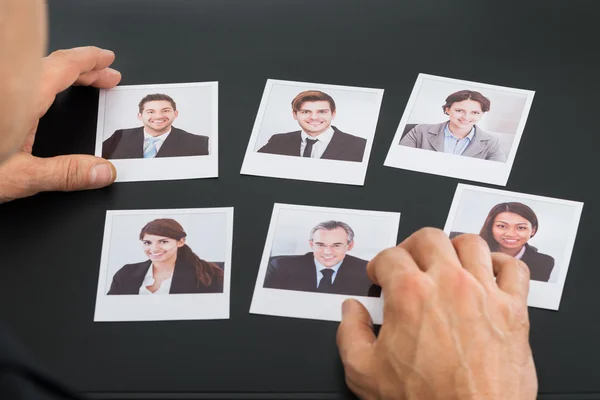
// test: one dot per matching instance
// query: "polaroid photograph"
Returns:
(313, 132)
(160, 132)
(159, 265)
(540, 231)
(460, 129)
(316, 257)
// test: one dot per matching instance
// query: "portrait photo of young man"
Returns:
(157, 137)
(315, 112)
(313, 132)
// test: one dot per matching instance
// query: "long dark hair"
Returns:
(206, 271)
(513, 207)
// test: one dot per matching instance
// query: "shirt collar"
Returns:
(521, 252)
(149, 278)
(320, 266)
(447, 133)
(162, 137)
(324, 137)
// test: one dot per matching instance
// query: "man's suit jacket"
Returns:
(129, 143)
(299, 273)
(431, 137)
(129, 279)
(540, 264)
(342, 147)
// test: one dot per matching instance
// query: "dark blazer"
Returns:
(129, 143)
(128, 280)
(342, 147)
(299, 273)
(540, 264)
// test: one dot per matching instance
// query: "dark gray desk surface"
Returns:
(51, 242)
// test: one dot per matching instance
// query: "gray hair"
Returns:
(331, 225)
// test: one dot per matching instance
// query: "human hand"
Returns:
(24, 175)
(450, 331)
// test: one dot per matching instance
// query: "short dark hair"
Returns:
(513, 207)
(156, 97)
(463, 95)
(312, 95)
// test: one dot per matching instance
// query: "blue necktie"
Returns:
(150, 147)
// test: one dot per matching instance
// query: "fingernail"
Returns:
(113, 71)
(109, 52)
(346, 307)
(101, 175)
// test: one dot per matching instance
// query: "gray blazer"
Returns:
(431, 137)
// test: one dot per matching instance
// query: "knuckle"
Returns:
(67, 177)
(431, 234)
(64, 58)
(408, 287)
(64, 54)
(469, 239)
(391, 255)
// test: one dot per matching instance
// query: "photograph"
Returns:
(161, 265)
(316, 257)
(313, 132)
(159, 132)
(461, 129)
(540, 231)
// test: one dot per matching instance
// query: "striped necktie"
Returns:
(150, 147)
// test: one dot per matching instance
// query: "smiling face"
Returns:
(330, 247)
(158, 116)
(464, 114)
(160, 249)
(511, 231)
(314, 117)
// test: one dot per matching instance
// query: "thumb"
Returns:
(73, 172)
(355, 336)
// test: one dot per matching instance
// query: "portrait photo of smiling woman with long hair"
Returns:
(540, 231)
(171, 265)
(508, 229)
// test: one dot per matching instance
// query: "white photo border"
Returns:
(188, 306)
(310, 305)
(438, 163)
(307, 169)
(167, 168)
(541, 294)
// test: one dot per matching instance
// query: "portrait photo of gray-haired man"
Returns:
(327, 269)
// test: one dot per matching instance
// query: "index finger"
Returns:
(512, 275)
(62, 68)
(388, 263)
(431, 249)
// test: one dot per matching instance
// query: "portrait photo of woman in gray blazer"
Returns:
(459, 135)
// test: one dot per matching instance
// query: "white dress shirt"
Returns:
(320, 266)
(159, 140)
(321, 144)
(520, 253)
(165, 285)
